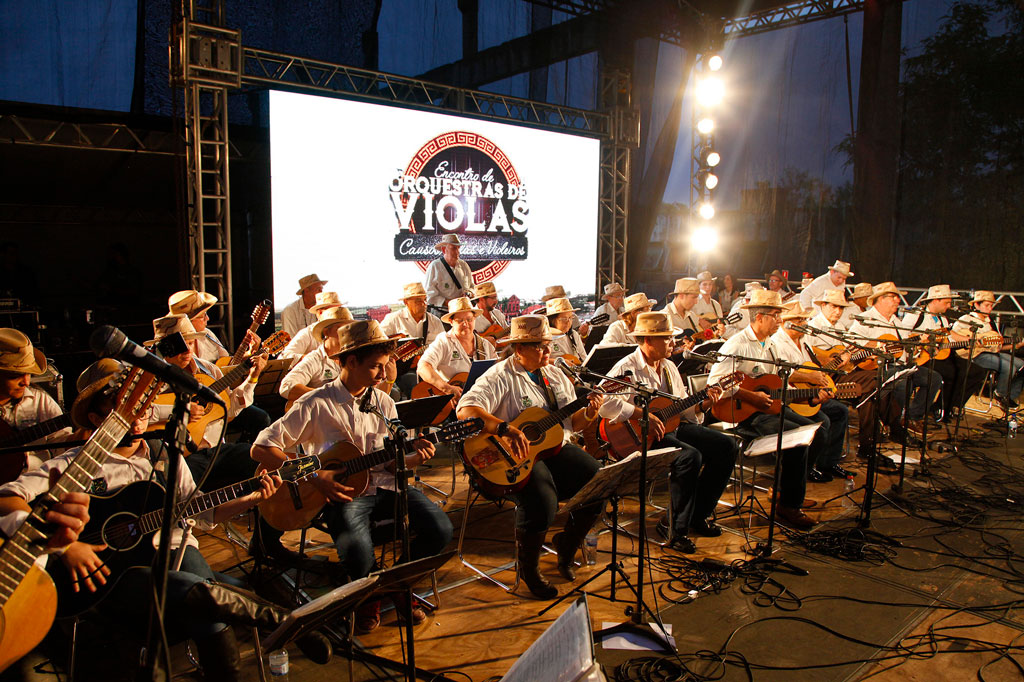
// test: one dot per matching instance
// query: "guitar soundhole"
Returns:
(532, 433)
(122, 534)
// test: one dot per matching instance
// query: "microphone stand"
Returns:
(963, 384)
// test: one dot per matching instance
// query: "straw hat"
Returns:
(982, 295)
(835, 297)
(308, 281)
(190, 302)
(686, 285)
(806, 282)
(938, 291)
(359, 334)
(448, 240)
(17, 354)
(636, 302)
(460, 305)
(705, 276)
(326, 300)
(413, 290)
(95, 381)
(882, 289)
(529, 329)
(842, 267)
(613, 289)
(559, 305)
(337, 315)
(654, 324)
(483, 290)
(776, 273)
(795, 311)
(764, 298)
(556, 291)
(169, 324)
(862, 290)
(751, 286)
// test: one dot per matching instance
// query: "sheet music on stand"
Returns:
(564, 653)
(802, 435)
(622, 477)
(601, 359)
(270, 378)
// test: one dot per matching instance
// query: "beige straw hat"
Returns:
(636, 302)
(360, 334)
(17, 354)
(883, 289)
(835, 297)
(413, 290)
(842, 267)
(764, 298)
(326, 300)
(686, 285)
(938, 291)
(705, 276)
(308, 281)
(94, 382)
(556, 291)
(333, 316)
(862, 290)
(983, 295)
(483, 290)
(169, 324)
(190, 302)
(448, 240)
(529, 329)
(559, 305)
(795, 311)
(656, 323)
(460, 305)
(613, 289)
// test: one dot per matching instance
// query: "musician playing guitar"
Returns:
(613, 301)
(454, 351)
(701, 471)
(707, 305)
(755, 341)
(834, 416)
(415, 322)
(634, 305)
(680, 307)
(341, 411)
(486, 298)
(305, 340)
(317, 368)
(567, 341)
(196, 306)
(1009, 381)
(449, 276)
(498, 397)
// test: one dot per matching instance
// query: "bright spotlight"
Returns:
(715, 62)
(705, 126)
(712, 159)
(711, 181)
(704, 238)
(707, 211)
(710, 91)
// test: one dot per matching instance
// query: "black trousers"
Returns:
(699, 473)
(553, 479)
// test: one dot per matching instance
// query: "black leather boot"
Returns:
(569, 540)
(218, 656)
(529, 565)
(234, 605)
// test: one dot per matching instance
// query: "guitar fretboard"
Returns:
(150, 522)
(40, 430)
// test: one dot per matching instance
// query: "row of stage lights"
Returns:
(709, 93)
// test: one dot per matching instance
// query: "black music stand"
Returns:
(416, 414)
(601, 359)
(612, 483)
(478, 368)
(266, 393)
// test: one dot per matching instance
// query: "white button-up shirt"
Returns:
(974, 316)
(314, 370)
(873, 332)
(744, 343)
(685, 321)
(34, 407)
(821, 322)
(329, 415)
(210, 347)
(665, 378)
(607, 309)
(401, 322)
(295, 316)
(439, 285)
(568, 344)
(787, 349)
(616, 335)
(816, 288)
(734, 328)
(930, 321)
(707, 306)
(447, 356)
(482, 324)
(301, 343)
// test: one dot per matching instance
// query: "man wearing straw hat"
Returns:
(21, 404)
(707, 305)
(859, 298)
(777, 281)
(701, 471)
(680, 307)
(1009, 381)
(415, 322)
(448, 276)
(566, 341)
(454, 351)
(485, 296)
(634, 305)
(305, 341)
(296, 314)
(558, 291)
(833, 416)
(613, 300)
(743, 322)
(196, 306)
(317, 368)
(498, 397)
(754, 341)
(835, 278)
(343, 411)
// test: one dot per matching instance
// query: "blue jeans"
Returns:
(918, 380)
(350, 524)
(1008, 368)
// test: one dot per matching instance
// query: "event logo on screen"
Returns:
(461, 183)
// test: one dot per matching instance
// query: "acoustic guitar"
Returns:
(295, 505)
(830, 358)
(259, 315)
(986, 342)
(732, 409)
(844, 391)
(12, 464)
(126, 518)
(425, 390)
(28, 600)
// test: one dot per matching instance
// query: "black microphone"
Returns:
(912, 309)
(861, 318)
(710, 357)
(110, 342)
(364, 402)
(561, 364)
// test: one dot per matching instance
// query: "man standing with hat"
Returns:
(612, 306)
(765, 308)
(449, 276)
(498, 397)
(486, 298)
(1009, 381)
(701, 471)
(297, 314)
(453, 352)
(706, 305)
(835, 278)
(415, 322)
(305, 341)
(343, 411)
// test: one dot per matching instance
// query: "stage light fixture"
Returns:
(712, 159)
(704, 238)
(705, 126)
(711, 181)
(706, 211)
(714, 62)
(710, 91)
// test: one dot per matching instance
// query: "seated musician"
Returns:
(860, 295)
(486, 298)
(305, 341)
(680, 307)
(777, 282)
(558, 291)
(415, 322)
(613, 300)
(196, 608)
(833, 416)
(1009, 380)
(449, 276)
(835, 278)
(743, 322)
(296, 315)
(701, 471)
(498, 397)
(707, 306)
(196, 306)
(953, 368)
(881, 320)
(333, 414)
(755, 341)
(452, 353)
(22, 405)
(317, 368)
(634, 305)
(566, 341)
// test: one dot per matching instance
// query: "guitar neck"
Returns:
(560, 415)
(383, 456)
(232, 378)
(151, 521)
(40, 430)
(680, 406)
(240, 353)
(795, 394)
(18, 554)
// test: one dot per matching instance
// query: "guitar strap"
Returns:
(549, 392)
(451, 273)
(426, 326)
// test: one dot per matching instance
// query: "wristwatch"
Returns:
(503, 428)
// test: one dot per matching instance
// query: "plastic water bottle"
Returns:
(590, 548)
(279, 665)
(1011, 427)
(848, 491)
